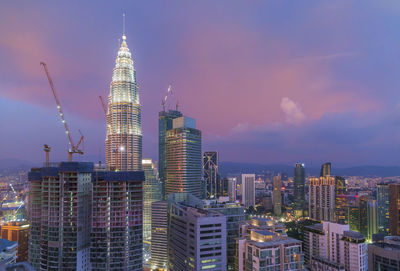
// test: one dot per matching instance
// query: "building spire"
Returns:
(123, 27)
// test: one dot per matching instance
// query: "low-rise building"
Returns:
(329, 243)
(264, 245)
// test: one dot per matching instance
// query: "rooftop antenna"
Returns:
(123, 26)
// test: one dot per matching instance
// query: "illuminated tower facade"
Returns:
(124, 131)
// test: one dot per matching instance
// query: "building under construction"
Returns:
(85, 218)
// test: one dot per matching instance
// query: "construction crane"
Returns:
(103, 105)
(47, 149)
(163, 102)
(74, 148)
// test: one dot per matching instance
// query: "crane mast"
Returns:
(74, 148)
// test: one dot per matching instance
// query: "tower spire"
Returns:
(123, 26)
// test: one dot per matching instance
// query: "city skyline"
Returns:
(351, 118)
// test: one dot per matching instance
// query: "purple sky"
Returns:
(267, 81)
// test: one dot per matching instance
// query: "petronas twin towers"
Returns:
(124, 129)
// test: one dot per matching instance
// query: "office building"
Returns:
(248, 190)
(211, 175)
(382, 202)
(394, 208)
(196, 236)
(124, 130)
(232, 184)
(325, 170)
(165, 123)
(235, 214)
(332, 246)
(384, 255)
(299, 192)
(17, 232)
(159, 235)
(151, 193)
(184, 158)
(277, 195)
(259, 247)
(322, 198)
(85, 219)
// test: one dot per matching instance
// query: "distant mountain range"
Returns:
(232, 168)
(227, 168)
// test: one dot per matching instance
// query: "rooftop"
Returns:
(7, 245)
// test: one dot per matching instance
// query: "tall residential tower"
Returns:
(124, 131)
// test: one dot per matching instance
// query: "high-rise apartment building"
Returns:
(196, 237)
(382, 202)
(85, 219)
(326, 169)
(60, 210)
(17, 232)
(248, 190)
(299, 192)
(124, 130)
(117, 220)
(384, 255)
(322, 198)
(394, 208)
(332, 246)
(277, 195)
(184, 159)
(159, 235)
(165, 123)
(151, 193)
(211, 176)
(261, 247)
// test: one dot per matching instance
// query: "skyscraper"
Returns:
(184, 159)
(84, 218)
(151, 193)
(124, 130)
(325, 169)
(60, 206)
(277, 195)
(232, 182)
(299, 181)
(210, 173)
(117, 220)
(248, 190)
(165, 123)
(394, 208)
(159, 235)
(322, 198)
(382, 202)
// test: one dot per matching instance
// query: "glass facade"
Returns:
(165, 119)
(382, 202)
(183, 161)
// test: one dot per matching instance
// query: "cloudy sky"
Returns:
(267, 81)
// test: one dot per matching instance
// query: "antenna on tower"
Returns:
(123, 26)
